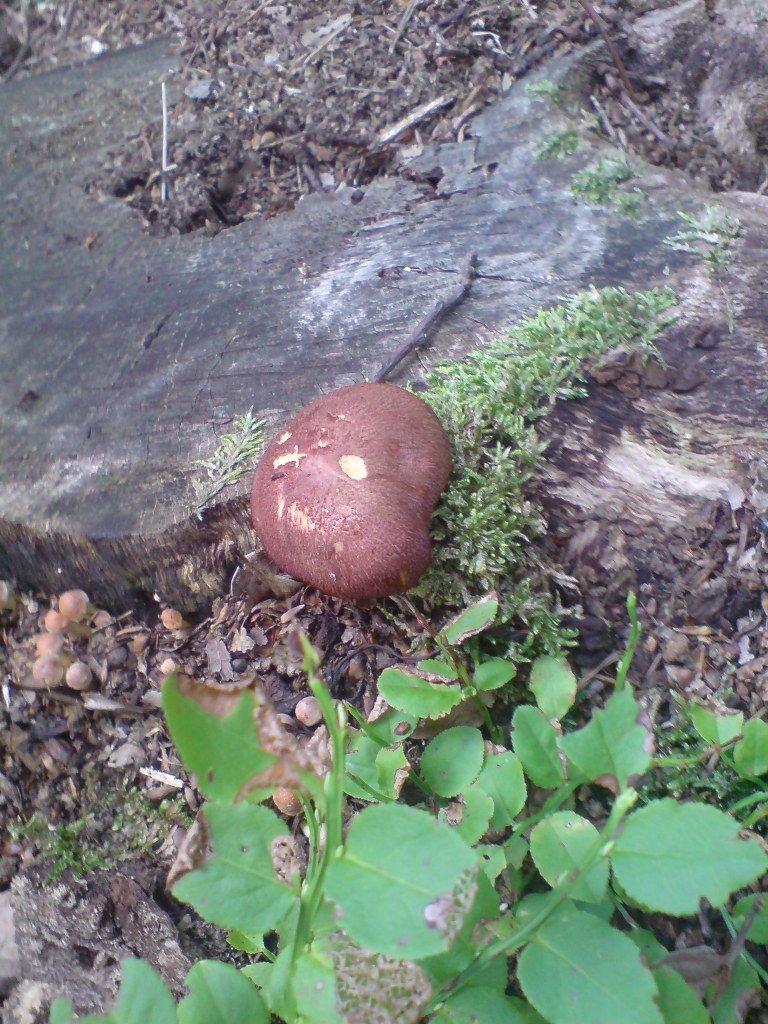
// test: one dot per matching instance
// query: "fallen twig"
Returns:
(440, 307)
(415, 116)
(644, 120)
(403, 24)
(164, 157)
(602, 28)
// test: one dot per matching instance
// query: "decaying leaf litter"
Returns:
(334, 99)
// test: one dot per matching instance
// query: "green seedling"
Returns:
(234, 457)
(396, 914)
(598, 185)
(559, 146)
(546, 88)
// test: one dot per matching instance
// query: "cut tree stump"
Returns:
(124, 357)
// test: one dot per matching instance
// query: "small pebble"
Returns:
(117, 656)
(676, 648)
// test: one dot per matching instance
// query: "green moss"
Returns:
(125, 824)
(597, 185)
(559, 146)
(489, 403)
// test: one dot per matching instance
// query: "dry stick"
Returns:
(644, 120)
(441, 306)
(602, 28)
(164, 158)
(403, 24)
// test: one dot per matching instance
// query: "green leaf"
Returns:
(758, 930)
(142, 996)
(404, 882)
(478, 1005)
(220, 994)
(534, 739)
(559, 844)
(729, 1006)
(452, 760)
(473, 620)
(373, 765)
(717, 729)
(612, 744)
(314, 986)
(554, 685)
(502, 779)
(491, 674)
(237, 887)
(61, 1012)
(493, 859)
(750, 755)
(670, 855)
(677, 1000)
(477, 808)
(224, 753)
(416, 696)
(577, 969)
(392, 727)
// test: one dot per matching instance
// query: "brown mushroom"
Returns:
(342, 497)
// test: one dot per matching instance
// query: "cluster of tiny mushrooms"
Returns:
(342, 497)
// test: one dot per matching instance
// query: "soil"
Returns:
(282, 99)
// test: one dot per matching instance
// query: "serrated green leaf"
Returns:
(758, 930)
(750, 755)
(416, 696)
(224, 753)
(502, 779)
(477, 808)
(559, 844)
(612, 744)
(554, 685)
(471, 621)
(491, 674)
(577, 968)
(404, 883)
(452, 760)
(492, 859)
(220, 994)
(481, 923)
(370, 765)
(671, 855)
(478, 1005)
(718, 729)
(677, 1000)
(237, 887)
(142, 996)
(534, 739)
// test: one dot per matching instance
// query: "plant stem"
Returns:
(506, 946)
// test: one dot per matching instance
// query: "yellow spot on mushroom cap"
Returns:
(299, 517)
(294, 456)
(354, 467)
(284, 437)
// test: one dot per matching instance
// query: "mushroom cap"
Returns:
(343, 496)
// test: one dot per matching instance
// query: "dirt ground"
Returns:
(281, 99)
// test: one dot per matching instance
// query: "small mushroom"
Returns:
(342, 497)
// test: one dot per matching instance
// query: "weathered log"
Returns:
(124, 357)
